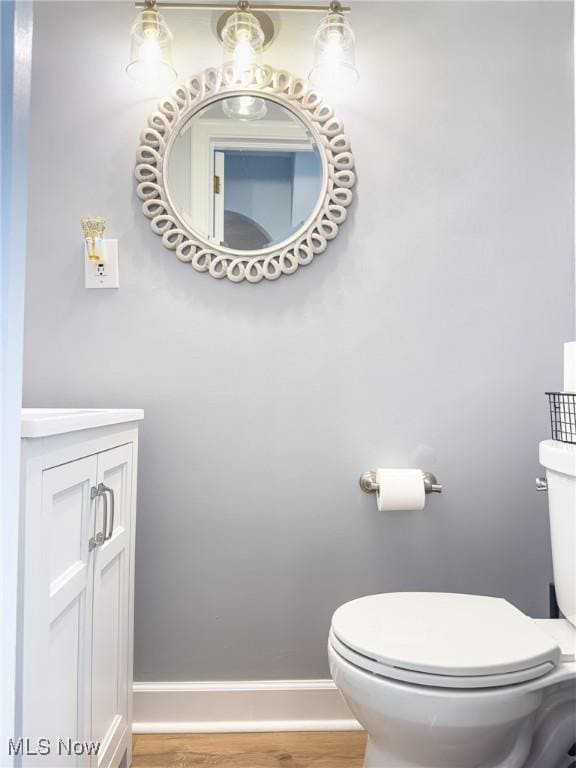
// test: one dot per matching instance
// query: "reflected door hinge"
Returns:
(216, 184)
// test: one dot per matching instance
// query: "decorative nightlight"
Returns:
(101, 255)
(93, 228)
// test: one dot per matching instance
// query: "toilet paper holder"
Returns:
(369, 485)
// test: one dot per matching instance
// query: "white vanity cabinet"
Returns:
(77, 576)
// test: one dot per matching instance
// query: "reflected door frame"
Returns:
(217, 181)
(210, 136)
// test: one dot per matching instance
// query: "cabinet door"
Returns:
(58, 606)
(111, 681)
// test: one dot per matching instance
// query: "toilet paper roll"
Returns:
(400, 489)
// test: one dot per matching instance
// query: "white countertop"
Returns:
(42, 422)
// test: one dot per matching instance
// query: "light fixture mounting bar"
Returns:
(232, 6)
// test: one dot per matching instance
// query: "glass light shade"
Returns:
(93, 228)
(243, 41)
(94, 247)
(151, 51)
(244, 108)
(334, 54)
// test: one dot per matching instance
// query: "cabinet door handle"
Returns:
(100, 537)
(106, 489)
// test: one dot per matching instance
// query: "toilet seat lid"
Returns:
(444, 634)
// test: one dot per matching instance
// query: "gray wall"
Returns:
(425, 336)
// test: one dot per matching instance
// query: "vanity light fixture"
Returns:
(334, 51)
(244, 31)
(242, 40)
(93, 228)
(151, 49)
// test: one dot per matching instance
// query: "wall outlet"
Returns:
(103, 274)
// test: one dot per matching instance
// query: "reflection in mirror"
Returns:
(244, 172)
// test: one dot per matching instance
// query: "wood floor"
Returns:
(250, 750)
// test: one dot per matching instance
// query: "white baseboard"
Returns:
(228, 707)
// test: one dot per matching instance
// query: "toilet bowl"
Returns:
(447, 680)
(466, 681)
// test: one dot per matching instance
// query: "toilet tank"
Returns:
(560, 462)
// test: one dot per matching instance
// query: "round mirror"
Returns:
(244, 173)
(245, 183)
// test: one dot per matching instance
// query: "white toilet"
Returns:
(463, 681)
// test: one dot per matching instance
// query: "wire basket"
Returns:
(563, 416)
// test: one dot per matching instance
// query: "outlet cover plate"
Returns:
(103, 274)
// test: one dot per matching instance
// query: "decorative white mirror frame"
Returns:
(330, 212)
